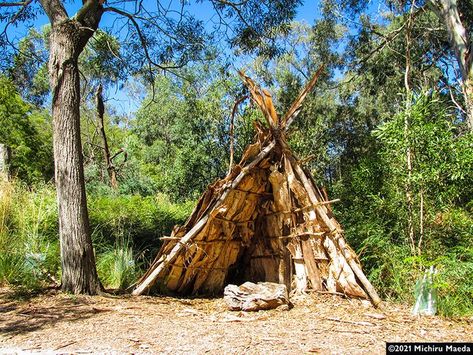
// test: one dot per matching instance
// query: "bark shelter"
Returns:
(266, 221)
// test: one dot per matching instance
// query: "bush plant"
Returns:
(126, 232)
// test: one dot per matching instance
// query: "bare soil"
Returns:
(56, 323)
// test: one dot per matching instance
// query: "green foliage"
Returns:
(100, 61)
(143, 220)
(185, 130)
(455, 285)
(29, 71)
(116, 265)
(29, 249)
(126, 232)
(27, 133)
(375, 212)
(441, 164)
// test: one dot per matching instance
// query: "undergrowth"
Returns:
(117, 266)
(394, 271)
(29, 256)
(125, 233)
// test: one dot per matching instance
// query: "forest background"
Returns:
(386, 130)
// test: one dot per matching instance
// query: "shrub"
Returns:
(141, 219)
(116, 266)
(29, 243)
(455, 284)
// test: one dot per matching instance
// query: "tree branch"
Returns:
(141, 37)
(448, 12)
(390, 37)
(83, 11)
(55, 10)
(13, 4)
(15, 17)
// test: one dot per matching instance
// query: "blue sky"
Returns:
(121, 100)
(308, 11)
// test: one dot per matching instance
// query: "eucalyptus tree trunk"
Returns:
(67, 40)
(407, 133)
(79, 273)
(462, 45)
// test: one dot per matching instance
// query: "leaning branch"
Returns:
(297, 105)
(389, 38)
(13, 4)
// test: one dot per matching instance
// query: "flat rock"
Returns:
(256, 297)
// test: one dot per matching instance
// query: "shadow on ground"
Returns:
(30, 315)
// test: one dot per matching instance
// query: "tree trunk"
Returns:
(4, 162)
(79, 274)
(468, 93)
(407, 125)
(112, 173)
(461, 43)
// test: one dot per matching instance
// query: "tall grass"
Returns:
(29, 249)
(6, 191)
(116, 265)
(126, 232)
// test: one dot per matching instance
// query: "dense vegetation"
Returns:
(384, 131)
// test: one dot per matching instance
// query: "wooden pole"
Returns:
(297, 105)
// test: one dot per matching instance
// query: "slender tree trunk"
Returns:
(112, 173)
(407, 124)
(468, 93)
(421, 223)
(79, 274)
(4, 162)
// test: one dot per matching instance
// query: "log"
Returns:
(299, 266)
(282, 199)
(341, 271)
(285, 269)
(313, 272)
(256, 297)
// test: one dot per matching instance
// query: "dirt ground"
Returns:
(56, 323)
